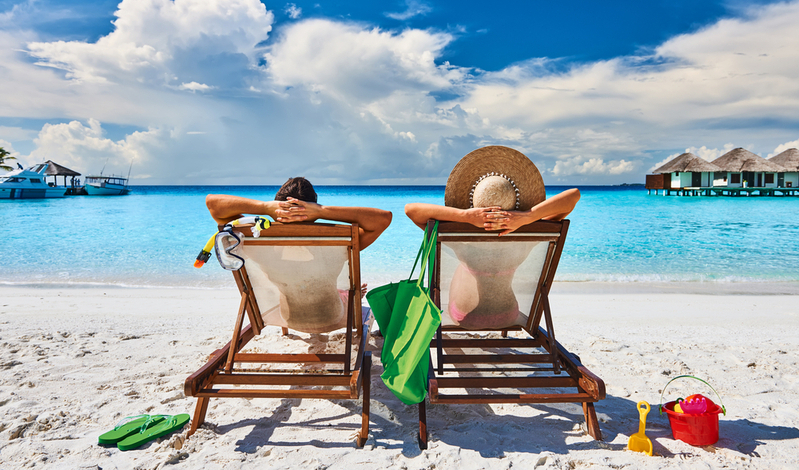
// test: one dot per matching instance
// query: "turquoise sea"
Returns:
(618, 234)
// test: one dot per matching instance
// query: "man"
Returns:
(295, 201)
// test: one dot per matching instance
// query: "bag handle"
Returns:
(723, 409)
(429, 245)
(421, 250)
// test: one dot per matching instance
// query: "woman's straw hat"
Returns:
(495, 176)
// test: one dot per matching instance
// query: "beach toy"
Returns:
(695, 404)
(692, 426)
(166, 425)
(639, 442)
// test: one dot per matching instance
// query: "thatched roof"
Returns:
(687, 162)
(788, 159)
(739, 159)
(54, 169)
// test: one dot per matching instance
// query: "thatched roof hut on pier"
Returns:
(745, 169)
(687, 170)
(789, 160)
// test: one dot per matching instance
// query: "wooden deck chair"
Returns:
(487, 283)
(304, 277)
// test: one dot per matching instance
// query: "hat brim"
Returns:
(502, 161)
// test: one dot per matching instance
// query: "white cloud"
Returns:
(580, 165)
(413, 8)
(783, 147)
(161, 40)
(293, 11)
(194, 86)
(349, 62)
(84, 147)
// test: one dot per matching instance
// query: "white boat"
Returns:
(29, 184)
(106, 185)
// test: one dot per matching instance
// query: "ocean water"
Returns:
(617, 234)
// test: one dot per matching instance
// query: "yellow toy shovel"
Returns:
(639, 442)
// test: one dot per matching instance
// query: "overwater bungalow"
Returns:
(789, 160)
(685, 171)
(738, 172)
(741, 168)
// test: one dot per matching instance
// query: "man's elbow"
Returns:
(385, 220)
(212, 202)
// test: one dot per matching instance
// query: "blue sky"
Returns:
(345, 92)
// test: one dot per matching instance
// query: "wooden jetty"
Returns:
(724, 191)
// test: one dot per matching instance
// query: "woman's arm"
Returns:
(557, 207)
(494, 218)
(420, 213)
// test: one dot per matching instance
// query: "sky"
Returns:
(392, 92)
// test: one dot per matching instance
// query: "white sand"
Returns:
(73, 361)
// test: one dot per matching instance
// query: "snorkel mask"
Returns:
(226, 243)
(226, 246)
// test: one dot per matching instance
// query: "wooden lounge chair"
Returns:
(503, 285)
(326, 258)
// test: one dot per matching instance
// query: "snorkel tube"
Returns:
(259, 223)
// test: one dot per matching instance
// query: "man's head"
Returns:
(298, 188)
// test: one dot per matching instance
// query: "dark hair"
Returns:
(298, 188)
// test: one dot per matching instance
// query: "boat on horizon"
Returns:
(103, 185)
(29, 183)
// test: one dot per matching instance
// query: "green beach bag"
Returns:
(407, 318)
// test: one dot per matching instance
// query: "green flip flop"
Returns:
(154, 431)
(128, 426)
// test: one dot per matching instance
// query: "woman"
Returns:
(498, 189)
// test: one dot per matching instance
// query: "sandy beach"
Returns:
(74, 361)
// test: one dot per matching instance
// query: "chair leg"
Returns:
(366, 370)
(285, 331)
(199, 415)
(422, 426)
(591, 421)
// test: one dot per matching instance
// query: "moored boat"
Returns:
(106, 185)
(29, 184)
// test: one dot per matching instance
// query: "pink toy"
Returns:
(696, 404)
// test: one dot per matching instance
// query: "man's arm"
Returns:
(225, 208)
(371, 222)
